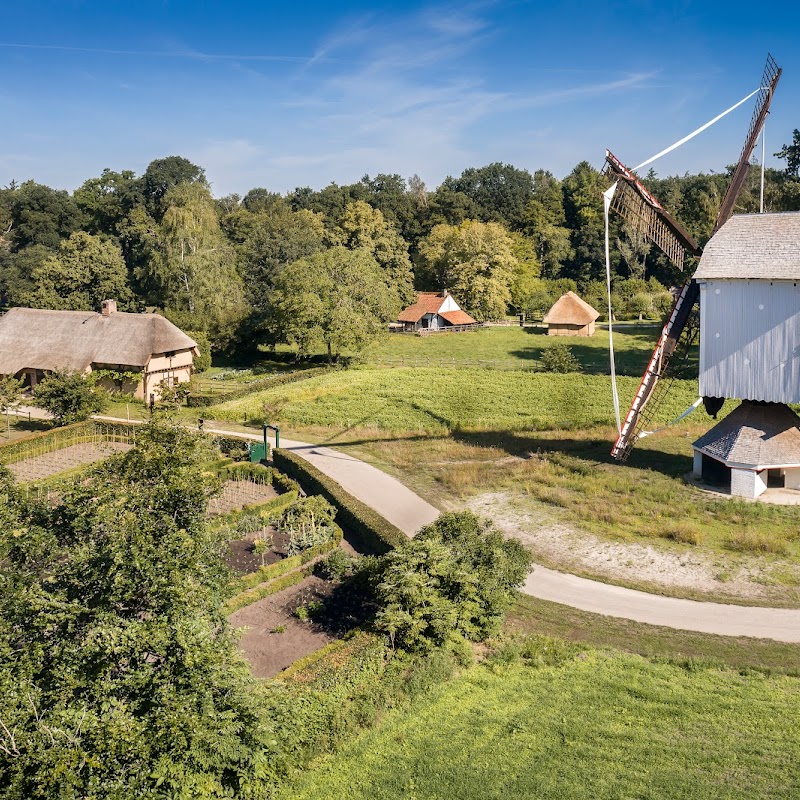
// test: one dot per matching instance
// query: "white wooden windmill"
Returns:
(746, 277)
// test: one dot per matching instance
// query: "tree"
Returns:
(475, 260)
(86, 270)
(583, 208)
(163, 175)
(362, 227)
(69, 397)
(524, 283)
(104, 202)
(338, 298)
(40, 215)
(10, 396)
(271, 240)
(500, 191)
(791, 153)
(198, 277)
(118, 671)
(545, 224)
(456, 577)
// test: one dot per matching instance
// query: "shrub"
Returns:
(203, 361)
(456, 577)
(336, 566)
(69, 397)
(684, 532)
(750, 541)
(559, 358)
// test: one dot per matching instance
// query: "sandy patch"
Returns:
(565, 547)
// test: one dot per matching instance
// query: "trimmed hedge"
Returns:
(206, 400)
(272, 571)
(265, 510)
(266, 589)
(370, 528)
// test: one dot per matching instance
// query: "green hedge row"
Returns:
(58, 438)
(266, 589)
(267, 509)
(257, 473)
(272, 571)
(370, 528)
(205, 400)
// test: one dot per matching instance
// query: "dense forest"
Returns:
(303, 267)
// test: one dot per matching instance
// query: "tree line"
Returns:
(328, 268)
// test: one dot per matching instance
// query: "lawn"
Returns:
(515, 348)
(565, 721)
(435, 400)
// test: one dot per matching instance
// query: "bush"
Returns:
(336, 566)
(69, 397)
(373, 531)
(456, 577)
(558, 357)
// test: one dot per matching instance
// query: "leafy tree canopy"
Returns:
(475, 260)
(69, 397)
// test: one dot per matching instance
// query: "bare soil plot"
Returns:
(242, 558)
(76, 455)
(272, 639)
(238, 494)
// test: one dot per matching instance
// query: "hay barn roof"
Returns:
(755, 434)
(760, 246)
(569, 309)
(33, 338)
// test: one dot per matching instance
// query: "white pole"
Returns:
(763, 148)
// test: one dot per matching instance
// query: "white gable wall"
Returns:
(750, 340)
(448, 304)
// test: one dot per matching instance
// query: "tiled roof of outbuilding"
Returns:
(755, 434)
(761, 246)
(457, 317)
(427, 303)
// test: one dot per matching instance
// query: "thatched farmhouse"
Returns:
(749, 278)
(36, 341)
(570, 316)
(434, 311)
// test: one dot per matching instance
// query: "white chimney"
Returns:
(108, 307)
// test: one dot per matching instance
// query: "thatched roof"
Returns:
(33, 338)
(755, 435)
(761, 246)
(569, 309)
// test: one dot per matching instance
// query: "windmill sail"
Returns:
(638, 207)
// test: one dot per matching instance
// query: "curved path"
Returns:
(409, 512)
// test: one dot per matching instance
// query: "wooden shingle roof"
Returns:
(755, 435)
(34, 338)
(760, 246)
(569, 309)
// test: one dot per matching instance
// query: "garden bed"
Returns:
(56, 461)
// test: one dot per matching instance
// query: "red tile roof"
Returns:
(427, 303)
(457, 317)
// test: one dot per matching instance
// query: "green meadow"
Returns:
(545, 719)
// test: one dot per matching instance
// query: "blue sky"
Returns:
(282, 95)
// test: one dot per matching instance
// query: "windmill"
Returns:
(642, 211)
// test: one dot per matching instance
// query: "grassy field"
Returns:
(563, 721)
(516, 348)
(435, 400)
